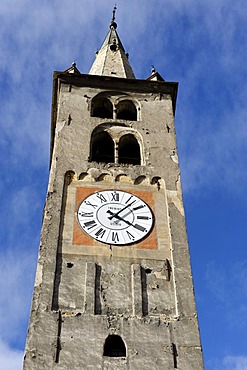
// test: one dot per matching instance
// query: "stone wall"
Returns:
(85, 290)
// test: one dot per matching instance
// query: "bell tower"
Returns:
(113, 287)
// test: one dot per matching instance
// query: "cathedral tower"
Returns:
(113, 287)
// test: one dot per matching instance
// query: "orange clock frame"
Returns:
(81, 238)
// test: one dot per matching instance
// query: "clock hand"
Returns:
(117, 213)
(138, 227)
(118, 217)
(126, 214)
(123, 216)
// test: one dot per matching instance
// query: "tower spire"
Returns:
(111, 59)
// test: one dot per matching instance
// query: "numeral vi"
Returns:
(115, 237)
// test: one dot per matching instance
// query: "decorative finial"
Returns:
(113, 23)
(153, 70)
(113, 13)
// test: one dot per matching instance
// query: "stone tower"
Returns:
(113, 287)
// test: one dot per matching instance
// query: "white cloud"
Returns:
(235, 363)
(214, 154)
(16, 284)
(10, 359)
(198, 43)
(227, 363)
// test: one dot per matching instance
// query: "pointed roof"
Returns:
(111, 59)
(73, 69)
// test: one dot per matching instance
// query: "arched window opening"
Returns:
(102, 149)
(102, 107)
(129, 150)
(114, 346)
(126, 109)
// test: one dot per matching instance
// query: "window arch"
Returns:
(126, 109)
(114, 346)
(102, 107)
(129, 150)
(102, 148)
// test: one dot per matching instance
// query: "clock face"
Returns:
(115, 217)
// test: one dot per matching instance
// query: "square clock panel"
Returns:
(114, 217)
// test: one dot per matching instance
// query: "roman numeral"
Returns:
(131, 237)
(90, 204)
(115, 237)
(115, 196)
(127, 201)
(100, 233)
(139, 207)
(139, 227)
(86, 214)
(101, 197)
(90, 224)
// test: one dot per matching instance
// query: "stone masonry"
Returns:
(87, 293)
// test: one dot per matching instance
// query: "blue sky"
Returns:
(203, 46)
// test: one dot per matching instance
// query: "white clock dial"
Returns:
(115, 217)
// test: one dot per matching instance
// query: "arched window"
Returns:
(129, 150)
(102, 107)
(114, 346)
(102, 148)
(126, 109)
